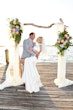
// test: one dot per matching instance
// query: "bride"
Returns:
(30, 76)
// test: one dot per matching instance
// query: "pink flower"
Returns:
(66, 36)
(17, 32)
(13, 30)
(62, 41)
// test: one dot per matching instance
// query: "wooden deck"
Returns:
(49, 98)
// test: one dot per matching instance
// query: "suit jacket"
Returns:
(26, 44)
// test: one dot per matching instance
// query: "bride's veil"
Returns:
(44, 52)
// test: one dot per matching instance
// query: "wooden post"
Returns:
(20, 68)
(7, 56)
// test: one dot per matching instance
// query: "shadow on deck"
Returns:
(48, 98)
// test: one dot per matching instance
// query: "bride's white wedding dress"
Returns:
(30, 76)
(12, 73)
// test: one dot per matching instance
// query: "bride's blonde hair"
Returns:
(40, 41)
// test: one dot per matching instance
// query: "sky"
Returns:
(40, 12)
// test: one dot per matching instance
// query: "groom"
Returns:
(26, 44)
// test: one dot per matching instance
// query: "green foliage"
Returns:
(15, 30)
(63, 42)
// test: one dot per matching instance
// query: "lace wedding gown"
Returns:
(30, 76)
(13, 77)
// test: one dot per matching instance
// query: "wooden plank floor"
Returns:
(49, 98)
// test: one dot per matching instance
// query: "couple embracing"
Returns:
(31, 51)
(30, 76)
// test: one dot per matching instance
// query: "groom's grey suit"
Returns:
(26, 52)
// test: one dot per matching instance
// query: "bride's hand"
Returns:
(37, 54)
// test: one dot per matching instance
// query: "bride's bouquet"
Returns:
(63, 42)
(15, 30)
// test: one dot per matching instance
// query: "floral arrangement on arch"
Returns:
(63, 42)
(15, 30)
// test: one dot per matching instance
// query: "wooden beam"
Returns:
(32, 24)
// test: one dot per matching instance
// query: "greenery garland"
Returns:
(63, 42)
(15, 30)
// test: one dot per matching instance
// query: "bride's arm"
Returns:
(35, 51)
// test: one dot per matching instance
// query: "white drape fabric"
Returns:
(13, 73)
(61, 80)
(2, 57)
